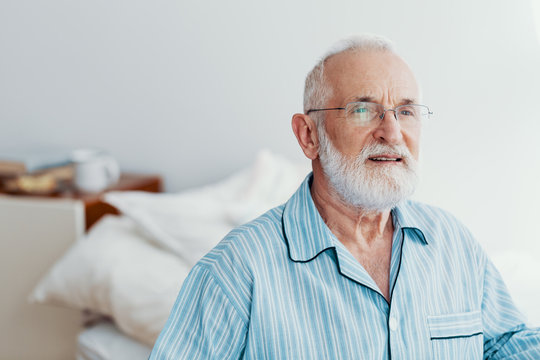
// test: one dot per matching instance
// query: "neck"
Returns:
(351, 225)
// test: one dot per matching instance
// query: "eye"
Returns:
(360, 110)
(362, 113)
(407, 111)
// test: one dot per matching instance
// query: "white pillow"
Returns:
(190, 223)
(116, 272)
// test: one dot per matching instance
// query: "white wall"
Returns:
(192, 89)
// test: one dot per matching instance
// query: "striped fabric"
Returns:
(283, 287)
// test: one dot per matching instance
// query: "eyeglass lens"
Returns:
(365, 113)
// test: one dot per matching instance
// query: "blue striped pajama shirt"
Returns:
(284, 287)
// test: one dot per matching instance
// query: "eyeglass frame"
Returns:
(370, 102)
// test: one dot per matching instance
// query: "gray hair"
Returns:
(317, 91)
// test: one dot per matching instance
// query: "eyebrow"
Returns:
(405, 101)
(364, 99)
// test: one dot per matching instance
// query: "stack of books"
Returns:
(35, 172)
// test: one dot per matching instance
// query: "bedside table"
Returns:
(95, 208)
(34, 233)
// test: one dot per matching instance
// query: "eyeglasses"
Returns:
(368, 113)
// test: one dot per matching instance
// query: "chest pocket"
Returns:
(456, 336)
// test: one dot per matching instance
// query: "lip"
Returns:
(385, 158)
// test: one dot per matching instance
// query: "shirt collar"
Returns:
(306, 232)
(408, 218)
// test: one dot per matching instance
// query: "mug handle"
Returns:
(112, 170)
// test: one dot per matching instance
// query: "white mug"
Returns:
(95, 170)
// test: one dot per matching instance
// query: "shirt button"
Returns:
(393, 323)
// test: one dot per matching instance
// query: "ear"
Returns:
(305, 130)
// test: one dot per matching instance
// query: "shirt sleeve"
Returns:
(505, 334)
(203, 323)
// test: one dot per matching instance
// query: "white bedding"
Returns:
(105, 342)
(114, 271)
(190, 223)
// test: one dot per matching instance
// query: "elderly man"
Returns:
(348, 268)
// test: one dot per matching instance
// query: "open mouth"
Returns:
(385, 159)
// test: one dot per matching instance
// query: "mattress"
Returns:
(105, 342)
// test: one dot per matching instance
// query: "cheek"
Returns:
(412, 141)
(350, 140)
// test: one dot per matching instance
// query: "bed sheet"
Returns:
(104, 341)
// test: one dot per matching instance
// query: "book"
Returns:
(13, 164)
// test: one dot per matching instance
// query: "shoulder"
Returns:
(446, 236)
(427, 213)
(233, 263)
(245, 245)
(429, 217)
(260, 231)
(439, 226)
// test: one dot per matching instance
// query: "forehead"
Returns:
(380, 76)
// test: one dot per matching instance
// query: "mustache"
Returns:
(377, 148)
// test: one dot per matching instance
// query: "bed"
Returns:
(129, 268)
(105, 341)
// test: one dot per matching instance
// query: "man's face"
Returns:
(373, 76)
(370, 166)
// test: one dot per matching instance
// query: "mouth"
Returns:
(386, 158)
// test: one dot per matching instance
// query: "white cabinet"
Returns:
(34, 233)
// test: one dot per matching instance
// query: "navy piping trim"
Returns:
(320, 252)
(415, 229)
(289, 245)
(455, 337)
(353, 280)
(392, 291)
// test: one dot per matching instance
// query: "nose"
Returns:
(388, 130)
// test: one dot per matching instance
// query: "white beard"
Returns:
(373, 188)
